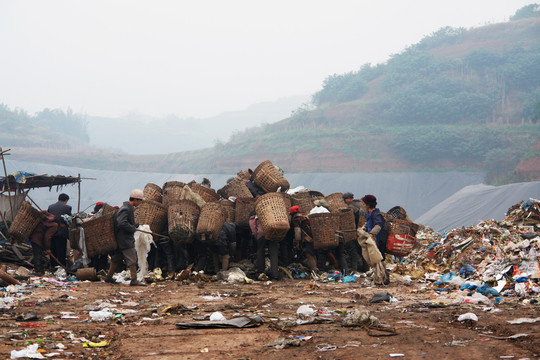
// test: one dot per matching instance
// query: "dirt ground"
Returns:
(421, 324)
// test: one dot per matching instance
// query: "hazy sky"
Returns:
(203, 57)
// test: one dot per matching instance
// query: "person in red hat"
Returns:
(303, 238)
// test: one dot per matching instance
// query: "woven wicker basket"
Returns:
(268, 177)
(153, 214)
(236, 188)
(335, 201)
(210, 222)
(274, 215)
(183, 218)
(153, 192)
(172, 191)
(99, 235)
(229, 208)
(347, 224)
(244, 174)
(303, 201)
(25, 222)
(323, 228)
(242, 209)
(401, 237)
(208, 195)
(397, 212)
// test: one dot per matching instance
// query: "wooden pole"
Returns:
(153, 233)
(33, 202)
(79, 201)
(7, 182)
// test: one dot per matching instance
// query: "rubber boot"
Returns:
(110, 273)
(134, 281)
(225, 262)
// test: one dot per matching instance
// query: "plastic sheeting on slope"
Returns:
(415, 192)
(478, 202)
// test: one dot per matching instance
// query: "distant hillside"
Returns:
(174, 134)
(460, 99)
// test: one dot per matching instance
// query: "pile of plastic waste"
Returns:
(493, 258)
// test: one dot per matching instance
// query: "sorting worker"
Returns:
(125, 227)
(40, 239)
(303, 237)
(60, 238)
(273, 248)
(375, 223)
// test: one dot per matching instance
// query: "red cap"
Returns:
(99, 203)
(294, 209)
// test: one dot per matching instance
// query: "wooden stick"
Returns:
(8, 278)
(153, 233)
(7, 182)
(33, 202)
(79, 200)
(58, 262)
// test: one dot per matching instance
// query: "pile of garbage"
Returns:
(495, 258)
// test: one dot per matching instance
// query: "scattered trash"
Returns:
(523, 321)
(90, 344)
(217, 316)
(380, 297)
(239, 322)
(468, 316)
(31, 352)
(282, 343)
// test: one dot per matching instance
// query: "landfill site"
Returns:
(468, 292)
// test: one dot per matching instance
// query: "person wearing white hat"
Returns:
(125, 227)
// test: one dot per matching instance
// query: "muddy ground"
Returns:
(421, 324)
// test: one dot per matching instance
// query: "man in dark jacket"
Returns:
(352, 249)
(124, 229)
(59, 240)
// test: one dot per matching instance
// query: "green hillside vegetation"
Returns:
(460, 99)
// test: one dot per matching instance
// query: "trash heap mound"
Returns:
(495, 258)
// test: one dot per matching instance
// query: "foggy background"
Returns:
(134, 66)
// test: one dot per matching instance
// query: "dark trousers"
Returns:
(58, 249)
(38, 258)
(273, 252)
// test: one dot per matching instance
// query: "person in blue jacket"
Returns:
(375, 222)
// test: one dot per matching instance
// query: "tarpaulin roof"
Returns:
(23, 180)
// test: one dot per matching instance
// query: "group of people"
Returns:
(233, 243)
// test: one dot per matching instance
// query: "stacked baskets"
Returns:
(99, 233)
(236, 188)
(153, 214)
(335, 201)
(153, 192)
(172, 191)
(229, 208)
(274, 216)
(347, 224)
(303, 201)
(401, 237)
(243, 207)
(268, 177)
(211, 220)
(207, 194)
(25, 222)
(324, 227)
(183, 217)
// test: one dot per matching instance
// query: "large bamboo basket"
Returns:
(323, 228)
(303, 201)
(242, 209)
(229, 208)
(153, 214)
(274, 216)
(236, 188)
(183, 218)
(209, 195)
(401, 237)
(153, 192)
(268, 177)
(335, 201)
(99, 234)
(172, 191)
(210, 222)
(347, 225)
(25, 221)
